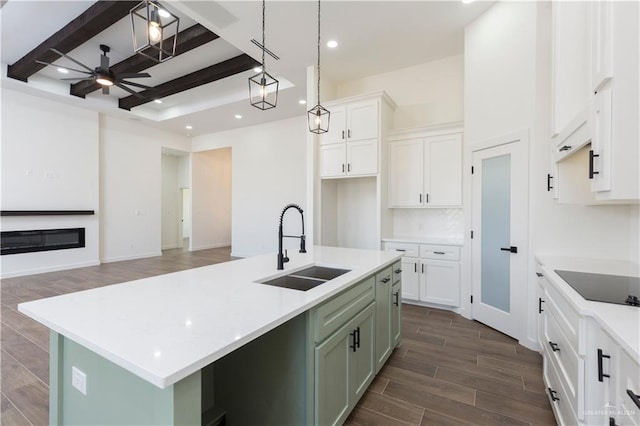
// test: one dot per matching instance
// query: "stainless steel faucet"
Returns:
(283, 258)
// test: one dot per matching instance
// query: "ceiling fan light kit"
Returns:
(263, 88)
(318, 117)
(154, 30)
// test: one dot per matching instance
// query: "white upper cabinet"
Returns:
(337, 125)
(352, 122)
(426, 171)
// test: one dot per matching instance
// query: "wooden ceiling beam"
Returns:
(210, 74)
(88, 24)
(188, 39)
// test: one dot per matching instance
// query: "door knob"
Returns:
(511, 249)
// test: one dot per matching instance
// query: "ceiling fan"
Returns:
(103, 74)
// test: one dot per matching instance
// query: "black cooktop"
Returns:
(604, 288)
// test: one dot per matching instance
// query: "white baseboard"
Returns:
(210, 246)
(25, 272)
(132, 257)
(530, 344)
(169, 247)
(240, 255)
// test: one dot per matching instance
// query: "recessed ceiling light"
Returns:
(257, 69)
(63, 70)
(188, 127)
(238, 116)
(332, 44)
(164, 13)
(302, 102)
(158, 101)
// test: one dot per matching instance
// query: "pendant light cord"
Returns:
(318, 52)
(264, 69)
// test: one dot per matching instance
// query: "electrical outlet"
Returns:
(79, 380)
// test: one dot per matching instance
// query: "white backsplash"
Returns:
(434, 223)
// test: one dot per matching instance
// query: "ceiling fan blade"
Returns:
(72, 60)
(133, 75)
(133, 92)
(105, 90)
(66, 68)
(131, 83)
(77, 79)
(104, 62)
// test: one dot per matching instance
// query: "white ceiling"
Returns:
(374, 37)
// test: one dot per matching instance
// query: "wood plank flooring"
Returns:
(448, 371)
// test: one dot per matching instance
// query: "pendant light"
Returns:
(155, 30)
(263, 88)
(318, 116)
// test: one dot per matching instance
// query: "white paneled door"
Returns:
(499, 244)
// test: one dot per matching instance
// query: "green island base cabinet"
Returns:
(311, 369)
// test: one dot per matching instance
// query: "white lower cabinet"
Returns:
(589, 376)
(430, 273)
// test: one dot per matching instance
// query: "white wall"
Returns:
(507, 88)
(211, 199)
(49, 161)
(268, 172)
(130, 187)
(428, 93)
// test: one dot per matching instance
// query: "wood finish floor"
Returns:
(448, 371)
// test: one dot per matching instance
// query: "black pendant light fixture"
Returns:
(318, 116)
(155, 30)
(263, 88)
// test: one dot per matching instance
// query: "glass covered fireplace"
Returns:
(14, 242)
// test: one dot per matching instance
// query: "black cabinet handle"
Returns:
(539, 275)
(554, 346)
(423, 268)
(511, 249)
(438, 252)
(601, 374)
(549, 187)
(343, 134)
(565, 148)
(343, 168)
(612, 421)
(635, 398)
(421, 198)
(552, 394)
(540, 302)
(426, 197)
(397, 271)
(349, 133)
(385, 280)
(357, 337)
(415, 267)
(400, 250)
(348, 167)
(591, 157)
(395, 302)
(353, 339)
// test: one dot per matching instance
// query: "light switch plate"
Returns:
(79, 380)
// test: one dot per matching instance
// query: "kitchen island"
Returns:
(164, 350)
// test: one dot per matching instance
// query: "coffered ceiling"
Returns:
(206, 86)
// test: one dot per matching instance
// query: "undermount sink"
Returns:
(306, 279)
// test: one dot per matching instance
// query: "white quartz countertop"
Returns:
(167, 327)
(620, 321)
(446, 241)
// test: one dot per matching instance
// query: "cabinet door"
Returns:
(337, 126)
(601, 376)
(332, 160)
(362, 362)
(629, 381)
(410, 279)
(443, 171)
(332, 378)
(406, 173)
(601, 43)
(362, 157)
(383, 316)
(362, 120)
(600, 163)
(396, 313)
(440, 282)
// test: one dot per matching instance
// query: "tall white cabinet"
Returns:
(351, 202)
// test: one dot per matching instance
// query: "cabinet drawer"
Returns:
(562, 408)
(429, 251)
(396, 271)
(564, 356)
(567, 317)
(338, 311)
(385, 276)
(411, 250)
